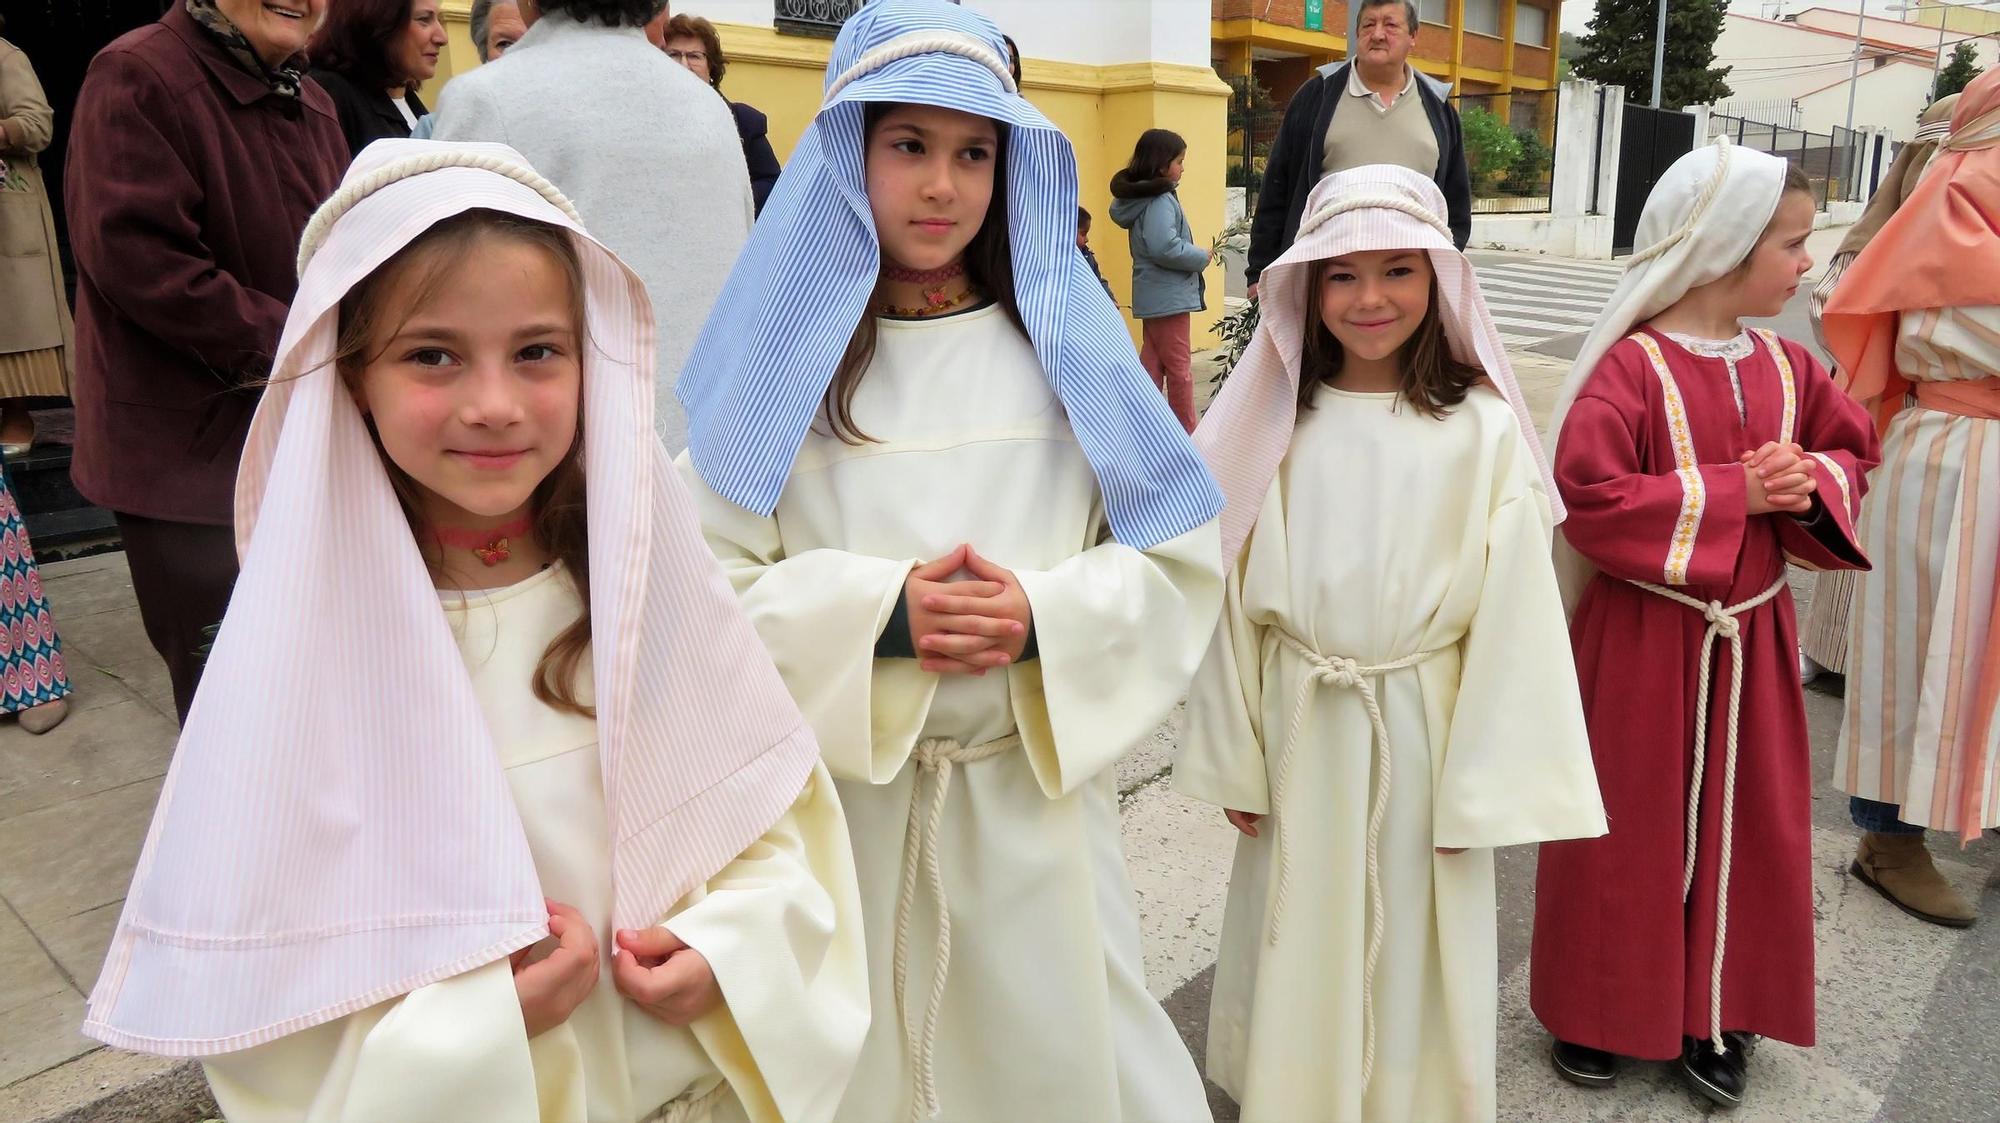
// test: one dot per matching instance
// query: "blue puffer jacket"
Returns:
(1166, 264)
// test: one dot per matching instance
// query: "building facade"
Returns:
(1103, 72)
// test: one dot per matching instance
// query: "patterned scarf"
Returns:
(283, 80)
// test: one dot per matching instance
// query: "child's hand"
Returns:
(1449, 849)
(928, 581)
(1762, 500)
(552, 987)
(663, 976)
(1785, 468)
(982, 623)
(1245, 821)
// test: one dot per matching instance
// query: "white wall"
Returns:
(1094, 32)
(1776, 61)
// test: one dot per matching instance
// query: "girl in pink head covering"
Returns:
(1389, 694)
(492, 806)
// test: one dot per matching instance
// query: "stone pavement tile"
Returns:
(26, 972)
(112, 1086)
(1178, 851)
(1948, 1073)
(1153, 756)
(40, 1035)
(112, 650)
(1188, 1007)
(95, 750)
(77, 593)
(77, 856)
(80, 942)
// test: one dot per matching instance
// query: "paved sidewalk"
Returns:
(74, 807)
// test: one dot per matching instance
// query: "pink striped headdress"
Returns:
(1380, 207)
(335, 829)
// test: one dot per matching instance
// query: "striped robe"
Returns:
(1923, 661)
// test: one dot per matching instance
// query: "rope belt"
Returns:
(936, 757)
(1349, 675)
(1722, 624)
(688, 1107)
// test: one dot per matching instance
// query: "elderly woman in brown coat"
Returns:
(36, 341)
(198, 153)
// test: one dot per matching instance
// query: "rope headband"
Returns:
(353, 192)
(1702, 202)
(1384, 202)
(1978, 133)
(914, 43)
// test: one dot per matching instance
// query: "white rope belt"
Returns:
(1722, 624)
(1349, 675)
(934, 756)
(688, 1107)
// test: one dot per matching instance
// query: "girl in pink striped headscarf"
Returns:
(1389, 694)
(492, 805)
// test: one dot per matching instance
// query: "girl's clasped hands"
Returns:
(1782, 477)
(966, 627)
(663, 976)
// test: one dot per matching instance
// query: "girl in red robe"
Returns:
(1696, 458)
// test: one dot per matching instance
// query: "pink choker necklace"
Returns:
(934, 282)
(493, 545)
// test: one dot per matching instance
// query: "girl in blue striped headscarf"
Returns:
(984, 556)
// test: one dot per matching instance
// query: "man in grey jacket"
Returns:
(645, 150)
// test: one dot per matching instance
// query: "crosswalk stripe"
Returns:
(1555, 329)
(1560, 315)
(1566, 279)
(1498, 294)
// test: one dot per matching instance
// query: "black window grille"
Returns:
(813, 17)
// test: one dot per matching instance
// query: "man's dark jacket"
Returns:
(1296, 157)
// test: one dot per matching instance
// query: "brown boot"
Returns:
(1899, 867)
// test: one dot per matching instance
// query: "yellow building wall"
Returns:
(1102, 109)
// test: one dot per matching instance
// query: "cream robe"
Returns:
(1385, 534)
(1045, 1013)
(779, 926)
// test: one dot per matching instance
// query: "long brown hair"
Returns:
(989, 264)
(368, 323)
(1433, 380)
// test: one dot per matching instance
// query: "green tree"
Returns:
(1251, 111)
(1619, 50)
(1958, 73)
(1491, 148)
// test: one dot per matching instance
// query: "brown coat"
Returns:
(189, 182)
(31, 283)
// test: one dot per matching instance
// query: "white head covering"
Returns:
(762, 363)
(1701, 221)
(1378, 207)
(335, 828)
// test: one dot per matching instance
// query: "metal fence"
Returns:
(813, 17)
(1510, 149)
(1832, 160)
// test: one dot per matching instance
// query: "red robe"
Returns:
(1647, 463)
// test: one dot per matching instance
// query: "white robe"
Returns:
(1045, 1013)
(1386, 534)
(778, 925)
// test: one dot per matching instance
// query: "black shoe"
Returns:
(1720, 1078)
(1581, 1064)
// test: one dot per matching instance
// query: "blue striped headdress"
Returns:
(764, 360)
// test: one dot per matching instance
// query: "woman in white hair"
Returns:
(1389, 695)
(491, 805)
(1695, 458)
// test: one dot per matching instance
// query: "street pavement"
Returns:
(1906, 1009)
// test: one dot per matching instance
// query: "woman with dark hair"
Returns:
(920, 450)
(197, 153)
(692, 42)
(646, 151)
(1166, 264)
(371, 55)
